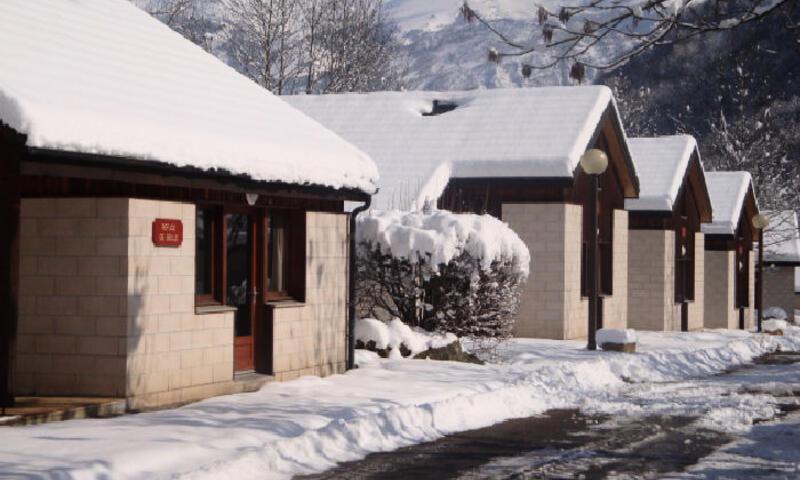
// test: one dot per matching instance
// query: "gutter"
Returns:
(351, 287)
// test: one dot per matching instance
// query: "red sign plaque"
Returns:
(167, 233)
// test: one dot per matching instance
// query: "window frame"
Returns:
(686, 218)
(216, 262)
(296, 254)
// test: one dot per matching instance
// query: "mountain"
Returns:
(442, 51)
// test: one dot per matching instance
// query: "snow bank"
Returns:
(615, 335)
(774, 325)
(310, 424)
(392, 334)
(442, 236)
(104, 77)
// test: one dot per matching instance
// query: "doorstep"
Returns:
(36, 410)
(250, 381)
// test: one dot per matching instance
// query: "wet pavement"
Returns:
(568, 444)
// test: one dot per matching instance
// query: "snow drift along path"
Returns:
(310, 424)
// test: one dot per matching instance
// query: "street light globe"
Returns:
(760, 221)
(594, 162)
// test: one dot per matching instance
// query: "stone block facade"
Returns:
(651, 302)
(103, 312)
(310, 338)
(72, 337)
(721, 293)
(551, 303)
(779, 289)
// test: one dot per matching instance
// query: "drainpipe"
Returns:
(351, 282)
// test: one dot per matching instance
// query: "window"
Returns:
(231, 242)
(207, 257)
(606, 203)
(743, 245)
(277, 255)
(687, 224)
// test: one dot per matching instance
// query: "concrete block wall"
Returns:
(576, 308)
(779, 289)
(72, 318)
(551, 304)
(615, 307)
(174, 355)
(720, 294)
(651, 291)
(310, 338)
(543, 229)
(651, 265)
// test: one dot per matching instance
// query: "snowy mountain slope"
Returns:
(432, 15)
(445, 52)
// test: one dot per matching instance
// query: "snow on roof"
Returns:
(727, 191)
(520, 132)
(661, 164)
(782, 237)
(104, 77)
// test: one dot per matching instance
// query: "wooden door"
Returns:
(242, 283)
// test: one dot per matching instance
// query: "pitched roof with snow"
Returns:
(728, 191)
(782, 237)
(520, 132)
(104, 77)
(661, 163)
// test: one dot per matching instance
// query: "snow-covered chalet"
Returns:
(781, 258)
(729, 259)
(170, 230)
(666, 253)
(512, 153)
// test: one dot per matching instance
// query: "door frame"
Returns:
(256, 256)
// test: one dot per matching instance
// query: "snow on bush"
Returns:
(615, 335)
(776, 313)
(440, 236)
(774, 325)
(441, 271)
(394, 333)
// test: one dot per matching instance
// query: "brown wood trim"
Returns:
(33, 186)
(10, 148)
(103, 167)
(720, 243)
(696, 177)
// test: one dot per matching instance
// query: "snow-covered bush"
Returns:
(391, 335)
(441, 271)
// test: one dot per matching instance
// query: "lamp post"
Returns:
(594, 162)
(760, 222)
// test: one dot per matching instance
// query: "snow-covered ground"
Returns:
(312, 423)
(769, 450)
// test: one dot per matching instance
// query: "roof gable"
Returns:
(103, 77)
(666, 165)
(498, 133)
(731, 196)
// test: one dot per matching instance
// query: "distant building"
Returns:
(512, 153)
(730, 261)
(781, 258)
(171, 230)
(667, 247)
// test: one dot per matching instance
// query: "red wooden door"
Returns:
(243, 283)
